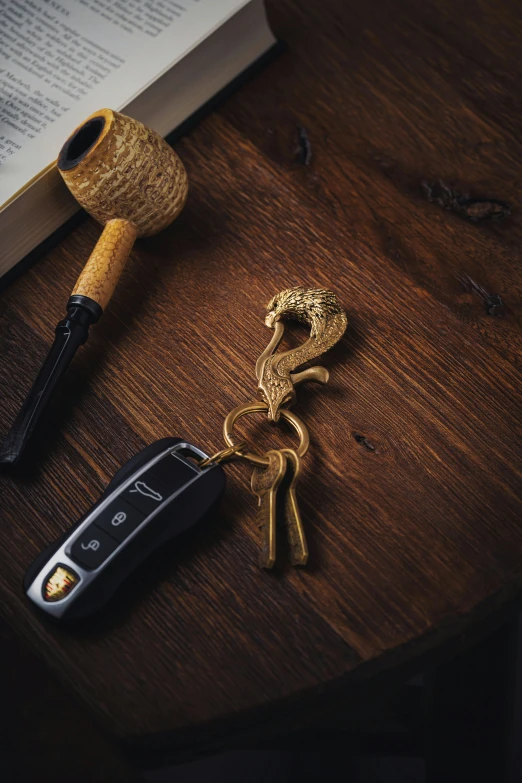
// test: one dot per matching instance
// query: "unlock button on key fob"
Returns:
(93, 547)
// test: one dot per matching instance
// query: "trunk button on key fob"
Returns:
(154, 486)
(146, 494)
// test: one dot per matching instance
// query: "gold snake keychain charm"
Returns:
(320, 310)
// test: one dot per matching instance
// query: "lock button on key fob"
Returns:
(119, 519)
(158, 494)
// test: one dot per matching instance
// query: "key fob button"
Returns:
(145, 493)
(93, 547)
(172, 472)
(119, 519)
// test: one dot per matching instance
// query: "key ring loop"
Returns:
(224, 455)
(262, 407)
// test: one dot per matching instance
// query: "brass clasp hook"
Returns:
(319, 309)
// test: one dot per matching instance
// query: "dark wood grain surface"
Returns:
(379, 155)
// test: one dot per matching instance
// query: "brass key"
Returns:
(293, 521)
(265, 483)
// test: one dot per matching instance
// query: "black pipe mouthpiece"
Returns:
(71, 332)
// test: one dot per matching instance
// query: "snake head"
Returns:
(277, 393)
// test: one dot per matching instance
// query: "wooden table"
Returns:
(378, 155)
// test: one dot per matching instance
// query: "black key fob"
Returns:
(158, 494)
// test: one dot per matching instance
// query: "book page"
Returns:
(61, 60)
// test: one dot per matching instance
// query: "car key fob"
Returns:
(158, 494)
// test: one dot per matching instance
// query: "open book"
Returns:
(61, 60)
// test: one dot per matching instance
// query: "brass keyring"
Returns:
(261, 407)
(225, 455)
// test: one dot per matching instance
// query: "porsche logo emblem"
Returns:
(60, 583)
